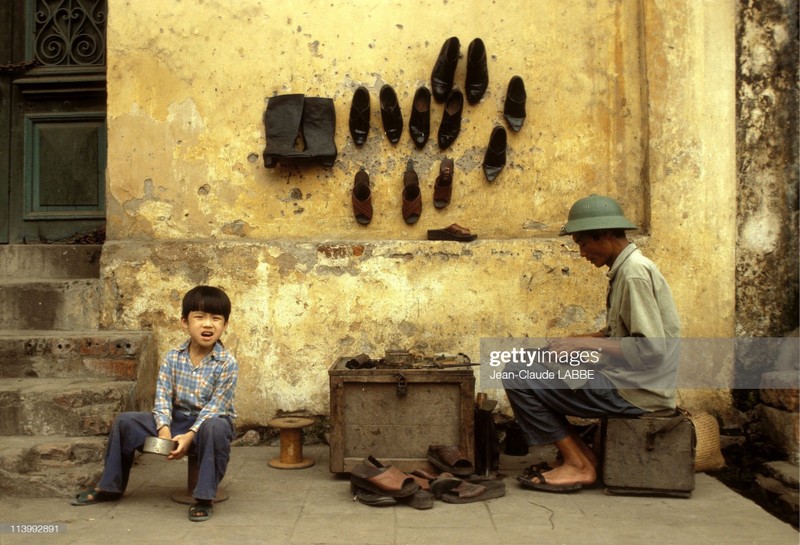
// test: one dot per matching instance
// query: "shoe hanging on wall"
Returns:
(390, 114)
(443, 186)
(451, 119)
(444, 69)
(514, 106)
(419, 124)
(477, 71)
(359, 116)
(362, 198)
(412, 196)
(495, 158)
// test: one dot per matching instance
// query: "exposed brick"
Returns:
(92, 346)
(123, 347)
(121, 368)
(64, 347)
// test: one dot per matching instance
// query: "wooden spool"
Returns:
(291, 440)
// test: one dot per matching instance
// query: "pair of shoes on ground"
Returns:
(198, 512)
(378, 485)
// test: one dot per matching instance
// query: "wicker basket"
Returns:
(708, 454)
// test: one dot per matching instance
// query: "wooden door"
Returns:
(53, 120)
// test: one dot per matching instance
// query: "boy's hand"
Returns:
(164, 433)
(184, 442)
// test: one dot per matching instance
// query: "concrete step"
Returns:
(50, 305)
(65, 354)
(61, 406)
(49, 466)
(49, 261)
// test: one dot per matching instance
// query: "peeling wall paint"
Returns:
(615, 92)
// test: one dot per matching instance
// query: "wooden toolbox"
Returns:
(649, 455)
(394, 414)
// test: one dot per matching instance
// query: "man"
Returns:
(635, 362)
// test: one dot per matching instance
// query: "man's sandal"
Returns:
(97, 496)
(199, 512)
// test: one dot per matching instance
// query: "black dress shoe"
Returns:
(390, 114)
(419, 125)
(445, 69)
(451, 119)
(495, 158)
(477, 71)
(359, 116)
(514, 107)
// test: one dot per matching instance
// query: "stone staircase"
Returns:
(62, 379)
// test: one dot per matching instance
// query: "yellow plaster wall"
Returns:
(632, 98)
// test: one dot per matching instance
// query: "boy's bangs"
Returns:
(206, 299)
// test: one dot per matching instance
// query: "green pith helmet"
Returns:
(595, 212)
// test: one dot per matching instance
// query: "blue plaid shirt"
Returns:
(205, 391)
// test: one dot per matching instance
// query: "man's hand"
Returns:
(184, 442)
(164, 433)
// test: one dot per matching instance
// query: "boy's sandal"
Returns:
(199, 512)
(97, 496)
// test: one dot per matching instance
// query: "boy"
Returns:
(193, 406)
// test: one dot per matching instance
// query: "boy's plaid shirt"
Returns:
(206, 390)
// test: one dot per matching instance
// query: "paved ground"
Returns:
(313, 506)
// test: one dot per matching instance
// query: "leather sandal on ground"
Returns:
(199, 512)
(421, 499)
(387, 481)
(423, 481)
(464, 492)
(527, 482)
(451, 459)
(371, 498)
(453, 232)
(97, 496)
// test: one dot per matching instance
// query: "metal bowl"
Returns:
(156, 445)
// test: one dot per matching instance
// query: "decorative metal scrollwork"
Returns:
(70, 32)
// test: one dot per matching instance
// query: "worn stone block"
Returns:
(780, 389)
(783, 429)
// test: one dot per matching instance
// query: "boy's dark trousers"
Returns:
(211, 445)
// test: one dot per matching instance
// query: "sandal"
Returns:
(543, 485)
(450, 459)
(412, 198)
(453, 232)
(98, 496)
(199, 512)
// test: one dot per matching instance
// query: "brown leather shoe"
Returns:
(443, 187)
(362, 198)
